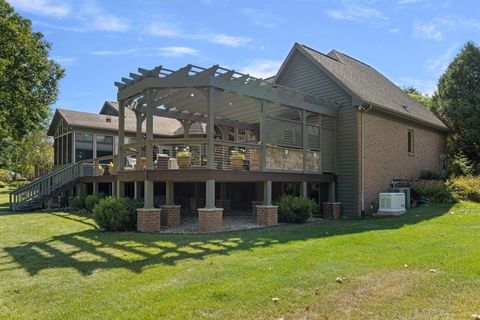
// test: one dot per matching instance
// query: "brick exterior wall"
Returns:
(210, 220)
(170, 215)
(267, 215)
(386, 155)
(148, 220)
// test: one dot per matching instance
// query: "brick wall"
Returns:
(148, 220)
(267, 215)
(210, 220)
(386, 156)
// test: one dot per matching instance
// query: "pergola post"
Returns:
(169, 193)
(303, 190)
(121, 134)
(304, 140)
(263, 134)
(210, 128)
(267, 193)
(149, 133)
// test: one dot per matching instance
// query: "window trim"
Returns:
(411, 142)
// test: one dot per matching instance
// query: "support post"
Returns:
(210, 194)
(121, 135)
(211, 130)
(169, 193)
(149, 133)
(304, 140)
(267, 193)
(303, 190)
(331, 194)
(148, 199)
(263, 134)
(120, 189)
(137, 190)
(114, 189)
(95, 187)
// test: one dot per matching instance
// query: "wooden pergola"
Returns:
(217, 97)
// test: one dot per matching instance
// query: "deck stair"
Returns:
(35, 194)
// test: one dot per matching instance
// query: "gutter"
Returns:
(362, 109)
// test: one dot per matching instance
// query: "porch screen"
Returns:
(83, 146)
(104, 145)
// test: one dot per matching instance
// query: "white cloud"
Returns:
(48, 8)
(401, 2)
(261, 68)
(261, 18)
(436, 28)
(394, 30)
(95, 18)
(425, 86)
(359, 12)
(439, 64)
(64, 61)
(172, 51)
(169, 30)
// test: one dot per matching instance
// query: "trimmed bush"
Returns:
(116, 214)
(294, 209)
(79, 202)
(426, 174)
(433, 190)
(92, 200)
(18, 184)
(465, 188)
(3, 184)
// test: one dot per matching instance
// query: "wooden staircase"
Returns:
(35, 194)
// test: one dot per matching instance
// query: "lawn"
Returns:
(4, 199)
(423, 265)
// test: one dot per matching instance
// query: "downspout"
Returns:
(362, 109)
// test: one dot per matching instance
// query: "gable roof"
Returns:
(108, 122)
(369, 86)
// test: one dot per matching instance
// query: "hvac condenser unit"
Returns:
(391, 203)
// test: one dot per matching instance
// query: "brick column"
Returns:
(210, 220)
(148, 220)
(267, 215)
(170, 215)
(255, 203)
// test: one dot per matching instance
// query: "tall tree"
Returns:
(28, 78)
(421, 98)
(457, 102)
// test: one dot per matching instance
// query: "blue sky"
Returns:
(99, 41)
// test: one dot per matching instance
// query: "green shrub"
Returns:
(92, 200)
(18, 184)
(116, 214)
(79, 202)
(430, 175)
(3, 184)
(294, 209)
(433, 190)
(465, 188)
(5, 175)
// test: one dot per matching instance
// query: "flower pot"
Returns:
(184, 162)
(100, 172)
(237, 163)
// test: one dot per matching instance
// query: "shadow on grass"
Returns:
(93, 249)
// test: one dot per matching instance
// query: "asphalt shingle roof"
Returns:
(371, 86)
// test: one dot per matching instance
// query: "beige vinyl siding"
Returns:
(303, 75)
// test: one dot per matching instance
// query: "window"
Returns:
(104, 145)
(411, 140)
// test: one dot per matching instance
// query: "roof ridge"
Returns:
(354, 59)
(321, 53)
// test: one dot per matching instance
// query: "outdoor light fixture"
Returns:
(192, 94)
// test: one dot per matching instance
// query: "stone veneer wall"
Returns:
(280, 158)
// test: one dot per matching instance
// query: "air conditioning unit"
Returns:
(407, 192)
(391, 203)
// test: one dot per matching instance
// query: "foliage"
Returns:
(433, 190)
(465, 188)
(238, 154)
(421, 98)
(79, 202)
(92, 200)
(5, 175)
(3, 184)
(294, 209)
(18, 184)
(457, 102)
(426, 174)
(28, 77)
(116, 214)
(184, 153)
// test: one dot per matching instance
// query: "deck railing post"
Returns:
(263, 134)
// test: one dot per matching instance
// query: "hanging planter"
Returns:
(184, 158)
(236, 159)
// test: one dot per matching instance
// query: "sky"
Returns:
(100, 41)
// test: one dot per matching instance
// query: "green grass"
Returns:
(4, 198)
(58, 266)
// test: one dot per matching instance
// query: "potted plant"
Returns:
(100, 170)
(184, 158)
(236, 159)
(111, 168)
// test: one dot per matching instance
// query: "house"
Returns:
(326, 126)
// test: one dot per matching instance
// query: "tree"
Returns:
(28, 78)
(421, 98)
(457, 103)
